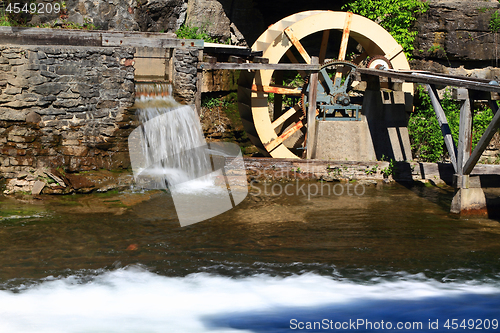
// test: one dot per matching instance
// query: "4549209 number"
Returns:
(33, 8)
(471, 324)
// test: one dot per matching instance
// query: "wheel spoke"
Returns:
(326, 80)
(345, 36)
(298, 45)
(324, 46)
(277, 90)
(285, 116)
(288, 133)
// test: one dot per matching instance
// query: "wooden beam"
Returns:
(345, 36)
(288, 133)
(311, 112)
(465, 135)
(429, 78)
(284, 117)
(254, 66)
(277, 90)
(443, 124)
(296, 42)
(324, 46)
(483, 142)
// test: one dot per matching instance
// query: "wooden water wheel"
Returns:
(280, 131)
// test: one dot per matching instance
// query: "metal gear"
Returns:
(337, 91)
(379, 62)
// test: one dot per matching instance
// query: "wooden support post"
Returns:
(484, 141)
(311, 112)
(493, 105)
(467, 200)
(199, 84)
(443, 124)
(465, 134)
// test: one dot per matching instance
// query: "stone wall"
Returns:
(454, 36)
(185, 75)
(64, 106)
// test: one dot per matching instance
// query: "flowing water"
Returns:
(391, 255)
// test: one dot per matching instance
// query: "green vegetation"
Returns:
(187, 32)
(495, 22)
(391, 169)
(372, 171)
(425, 135)
(396, 16)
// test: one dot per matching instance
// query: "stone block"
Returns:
(13, 115)
(5, 68)
(79, 151)
(67, 70)
(17, 62)
(50, 88)
(10, 90)
(66, 103)
(36, 80)
(48, 74)
(33, 117)
(12, 55)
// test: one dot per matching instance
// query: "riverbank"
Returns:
(259, 169)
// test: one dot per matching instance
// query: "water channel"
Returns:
(89, 263)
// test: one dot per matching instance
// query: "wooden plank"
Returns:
(324, 46)
(254, 66)
(150, 42)
(426, 78)
(483, 142)
(311, 112)
(345, 36)
(42, 36)
(277, 90)
(464, 135)
(296, 42)
(284, 117)
(443, 124)
(288, 133)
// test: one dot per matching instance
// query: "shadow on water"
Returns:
(428, 314)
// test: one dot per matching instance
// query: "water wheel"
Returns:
(279, 131)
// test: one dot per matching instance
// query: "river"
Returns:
(391, 256)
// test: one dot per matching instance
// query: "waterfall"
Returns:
(171, 148)
(169, 151)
